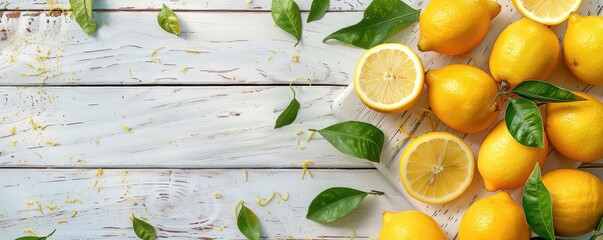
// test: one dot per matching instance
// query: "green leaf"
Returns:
(82, 9)
(597, 233)
(335, 203)
(287, 16)
(382, 18)
(318, 9)
(248, 223)
(358, 139)
(143, 230)
(168, 20)
(37, 238)
(288, 115)
(538, 205)
(525, 123)
(545, 92)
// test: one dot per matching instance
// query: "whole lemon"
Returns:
(584, 36)
(577, 201)
(455, 26)
(575, 129)
(505, 163)
(410, 225)
(496, 217)
(524, 50)
(460, 96)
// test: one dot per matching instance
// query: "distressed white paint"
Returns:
(170, 127)
(418, 121)
(181, 203)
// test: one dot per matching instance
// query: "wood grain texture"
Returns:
(235, 48)
(232, 5)
(166, 127)
(181, 203)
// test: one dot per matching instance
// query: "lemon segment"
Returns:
(389, 78)
(436, 167)
(549, 12)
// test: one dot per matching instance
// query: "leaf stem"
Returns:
(502, 90)
(375, 192)
(293, 81)
(313, 130)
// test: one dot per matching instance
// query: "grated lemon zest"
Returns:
(218, 195)
(305, 168)
(130, 73)
(99, 172)
(156, 50)
(249, 1)
(155, 59)
(284, 198)
(62, 222)
(269, 58)
(14, 143)
(130, 217)
(95, 183)
(192, 51)
(259, 202)
(353, 234)
(11, 59)
(30, 232)
(72, 201)
(40, 208)
(123, 234)
(52, 143)
(410, 134)
(33, 124)
(74, 213)
(310, 136)
(295, 58)
(51, 207)
(220, 229)
(299, 132)
(97, 141)
(246, 174)
(42, 127)
(273, 52)
(126, 128)
(183, 70)
(134, 202)
(29, 203)
(13, 130)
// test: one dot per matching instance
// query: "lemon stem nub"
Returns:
(378, 193)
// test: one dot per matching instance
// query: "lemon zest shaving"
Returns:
(283, 198)
(183, 70)
(130, 73)
(295, 58)
(72, 201)
(62, 222)
(410, 134)
(259, 201)
(14, 143)
(192, 51)
(353, 234)
(95, 183)
(52, 143)
(33, 124)
(51, 207)
(156, 50)
(155, 59)
(246, 174)
(305, 168)
(13, 130)
(99, 172)
(40, 208)
(299, 132)
(249, 1)
(220, 229)
(11, 59)
(218, 195)
(126, 128)
(30, 232)
(310, 136)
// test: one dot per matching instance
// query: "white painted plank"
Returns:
(417, 121)
(237, 48)
(259, 5)
(181, 203)
(170, 127)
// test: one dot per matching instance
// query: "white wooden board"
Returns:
(181, 203)
(348, 107)
(235, 48)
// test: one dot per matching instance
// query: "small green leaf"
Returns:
(287, 16)
(545, 92)
(82, 9)
(335, 203)
(597, 233)
(382, 18)
(358, 139)
(525, 123)
(288, 115)
(318, 9)
(37, 238)
(143, 230)
(168, 20)
(248, 223)
(538, 206)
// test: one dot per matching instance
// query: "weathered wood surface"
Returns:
(169, 127)
(182, 203)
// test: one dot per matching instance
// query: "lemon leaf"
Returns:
(168, 20)
(536, 90)
(335, 203)
(538, 205)
(524, 122)
(318, 9)
(382, 18)
(288, 115)
(83, 15)
(248, 223)
(143, 230)
(357, 139)
(287, 16)
(37, 238)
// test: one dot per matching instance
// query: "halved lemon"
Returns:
(436, 167)
(548, 12)
(389, 78)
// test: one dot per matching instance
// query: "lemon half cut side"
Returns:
(548, 12)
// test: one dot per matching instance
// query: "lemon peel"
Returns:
(305, 168)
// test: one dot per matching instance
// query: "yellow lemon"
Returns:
(505, 163)
(461, 95)
(575, 129)
(549, 12)
(496, 217)
(389, 78)
(455, 26)
(524, 50)
(410, 225)
(577, 201)
(436, 167)
(583, 38)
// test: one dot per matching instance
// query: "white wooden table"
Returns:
(169, 140)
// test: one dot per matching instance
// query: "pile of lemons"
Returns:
(438, 167)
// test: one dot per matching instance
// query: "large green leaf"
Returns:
(538, 206)
(318, 9)
(382, 18)
(82, 9)
(545, 92)
(248, 223)
(525, 123)
(358, 139)
(287, 16)
(143, 230)
(37, 238)
(168, 20)
(334, 203)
